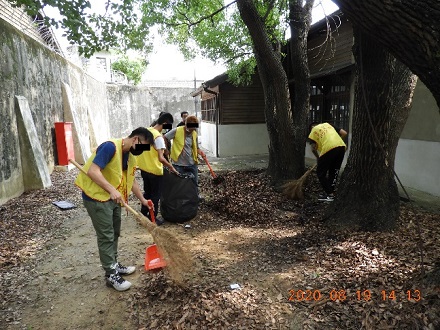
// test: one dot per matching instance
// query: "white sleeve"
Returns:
(159, 143)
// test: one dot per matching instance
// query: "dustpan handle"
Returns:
(151, 210)
(209, 166)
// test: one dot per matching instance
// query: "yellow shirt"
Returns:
(326, 138)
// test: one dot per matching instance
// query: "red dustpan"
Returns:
(153, 258)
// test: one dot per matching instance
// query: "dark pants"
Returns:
(152, 190)
(328, 168)
(106, 219)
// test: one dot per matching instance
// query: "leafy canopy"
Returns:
(119, 26)
(212, 29)
(132, 68)
(215, 30)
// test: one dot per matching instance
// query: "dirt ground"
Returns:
(292, 272)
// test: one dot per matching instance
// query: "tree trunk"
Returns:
(367, 197)
(278, 114)
(408, 29)
(300, 18)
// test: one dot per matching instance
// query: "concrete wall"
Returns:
(424, 118)
(132, 106)
(417, 165)
(246, 139)
(418, 152)
(207, 139)
(34, 72)
(235, 140)
(39, 87)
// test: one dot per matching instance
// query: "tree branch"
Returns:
(237, 56)
(210, 16)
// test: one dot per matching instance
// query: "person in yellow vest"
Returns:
(109, 180)
(151, 164)
(329, 148)
(185, 147)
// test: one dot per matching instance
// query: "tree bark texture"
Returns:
(300, 18)
(408, 29)
(276, 94)
(367, 197)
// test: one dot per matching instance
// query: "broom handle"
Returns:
(128, 207)
(310, 170)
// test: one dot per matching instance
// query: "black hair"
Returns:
(312, 125)
(182, 113)
(142, 132)
(165, 117)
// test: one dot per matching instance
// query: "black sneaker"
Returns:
(117, 282)
(124, 270)
(160, 221)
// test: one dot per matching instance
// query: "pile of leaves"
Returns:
(249, 197)
(292, 270)
(25, 226)
(314, 279)
(205, 305)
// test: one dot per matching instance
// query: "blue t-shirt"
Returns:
(104, 154)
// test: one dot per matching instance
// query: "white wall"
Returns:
(208, 138)
(247, 139)
(417, 165)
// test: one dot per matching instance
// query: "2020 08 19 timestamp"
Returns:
(341, 295)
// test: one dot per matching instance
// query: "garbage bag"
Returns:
(179, 201)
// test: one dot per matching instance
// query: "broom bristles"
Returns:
(294, 189)
(178, 260)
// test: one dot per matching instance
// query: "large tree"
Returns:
(408, 29)
(276, 92)
(300, 18)
(220, 34)
(367, 197)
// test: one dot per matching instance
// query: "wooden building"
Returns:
(232, 117)
(226, 108)
(238, 129)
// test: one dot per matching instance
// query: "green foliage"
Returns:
(119, 27)
(216, 31)
(133, 69)
(211, 29)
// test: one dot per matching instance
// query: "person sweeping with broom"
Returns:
(108, 178)
(329, 148)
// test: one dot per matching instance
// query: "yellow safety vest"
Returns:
(179, 142)
(113, 173)
(148, 161)
(326, 138)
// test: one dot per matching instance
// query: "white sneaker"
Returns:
(117, 282)
(326, 198)
(124, 270)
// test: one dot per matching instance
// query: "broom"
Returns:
(294, 189)
(178, 261)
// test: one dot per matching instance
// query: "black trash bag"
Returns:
(179, 201)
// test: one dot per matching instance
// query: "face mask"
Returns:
(137, 151)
